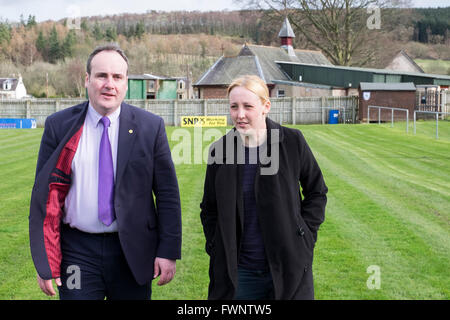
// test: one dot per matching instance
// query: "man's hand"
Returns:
(47, 285)
(164, 268)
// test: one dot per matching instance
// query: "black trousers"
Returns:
(94, 267)
(254, 285)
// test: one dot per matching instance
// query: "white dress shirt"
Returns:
(81, 204)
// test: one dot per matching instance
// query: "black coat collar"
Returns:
(275, 135)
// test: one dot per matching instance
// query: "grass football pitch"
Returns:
(386, 234)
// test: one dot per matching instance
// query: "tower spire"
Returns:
(286, 34)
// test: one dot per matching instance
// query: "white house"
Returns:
(12, 88)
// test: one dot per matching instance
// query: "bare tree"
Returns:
(76, 73)
(340, 28)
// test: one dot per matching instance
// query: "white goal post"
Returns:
(437, 119)
(392, 114)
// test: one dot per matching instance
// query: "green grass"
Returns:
(388, 205)
(434, 66)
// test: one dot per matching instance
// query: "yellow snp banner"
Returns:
(204, 121)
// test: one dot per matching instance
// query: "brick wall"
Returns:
(392, 99)
(213, 92)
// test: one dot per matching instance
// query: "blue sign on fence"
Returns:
(17, 123)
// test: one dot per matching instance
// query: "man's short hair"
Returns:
(107, 47)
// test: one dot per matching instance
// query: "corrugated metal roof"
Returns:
(154, 77)
(381, 86)
(148, 76)
(144, 76)
(378, 71)
(303, 84)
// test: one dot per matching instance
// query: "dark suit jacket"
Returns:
(144, 165)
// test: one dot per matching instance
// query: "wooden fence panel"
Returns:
(298, 110)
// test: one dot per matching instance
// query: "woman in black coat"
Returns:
(260, 229)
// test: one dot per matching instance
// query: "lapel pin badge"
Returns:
(130, 131)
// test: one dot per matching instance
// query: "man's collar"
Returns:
(95, 117)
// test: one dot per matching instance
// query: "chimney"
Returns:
(286, 35)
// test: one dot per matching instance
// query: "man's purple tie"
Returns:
(105, 178)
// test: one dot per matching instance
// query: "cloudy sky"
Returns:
(56, 9)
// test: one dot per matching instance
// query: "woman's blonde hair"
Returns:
(253, 83)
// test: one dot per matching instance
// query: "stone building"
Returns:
(262, 61)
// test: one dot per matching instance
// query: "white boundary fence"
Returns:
(437, 119)
(445, 102)
(392, 115)
(295, 110)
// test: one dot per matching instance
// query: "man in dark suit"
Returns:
(95, 226)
